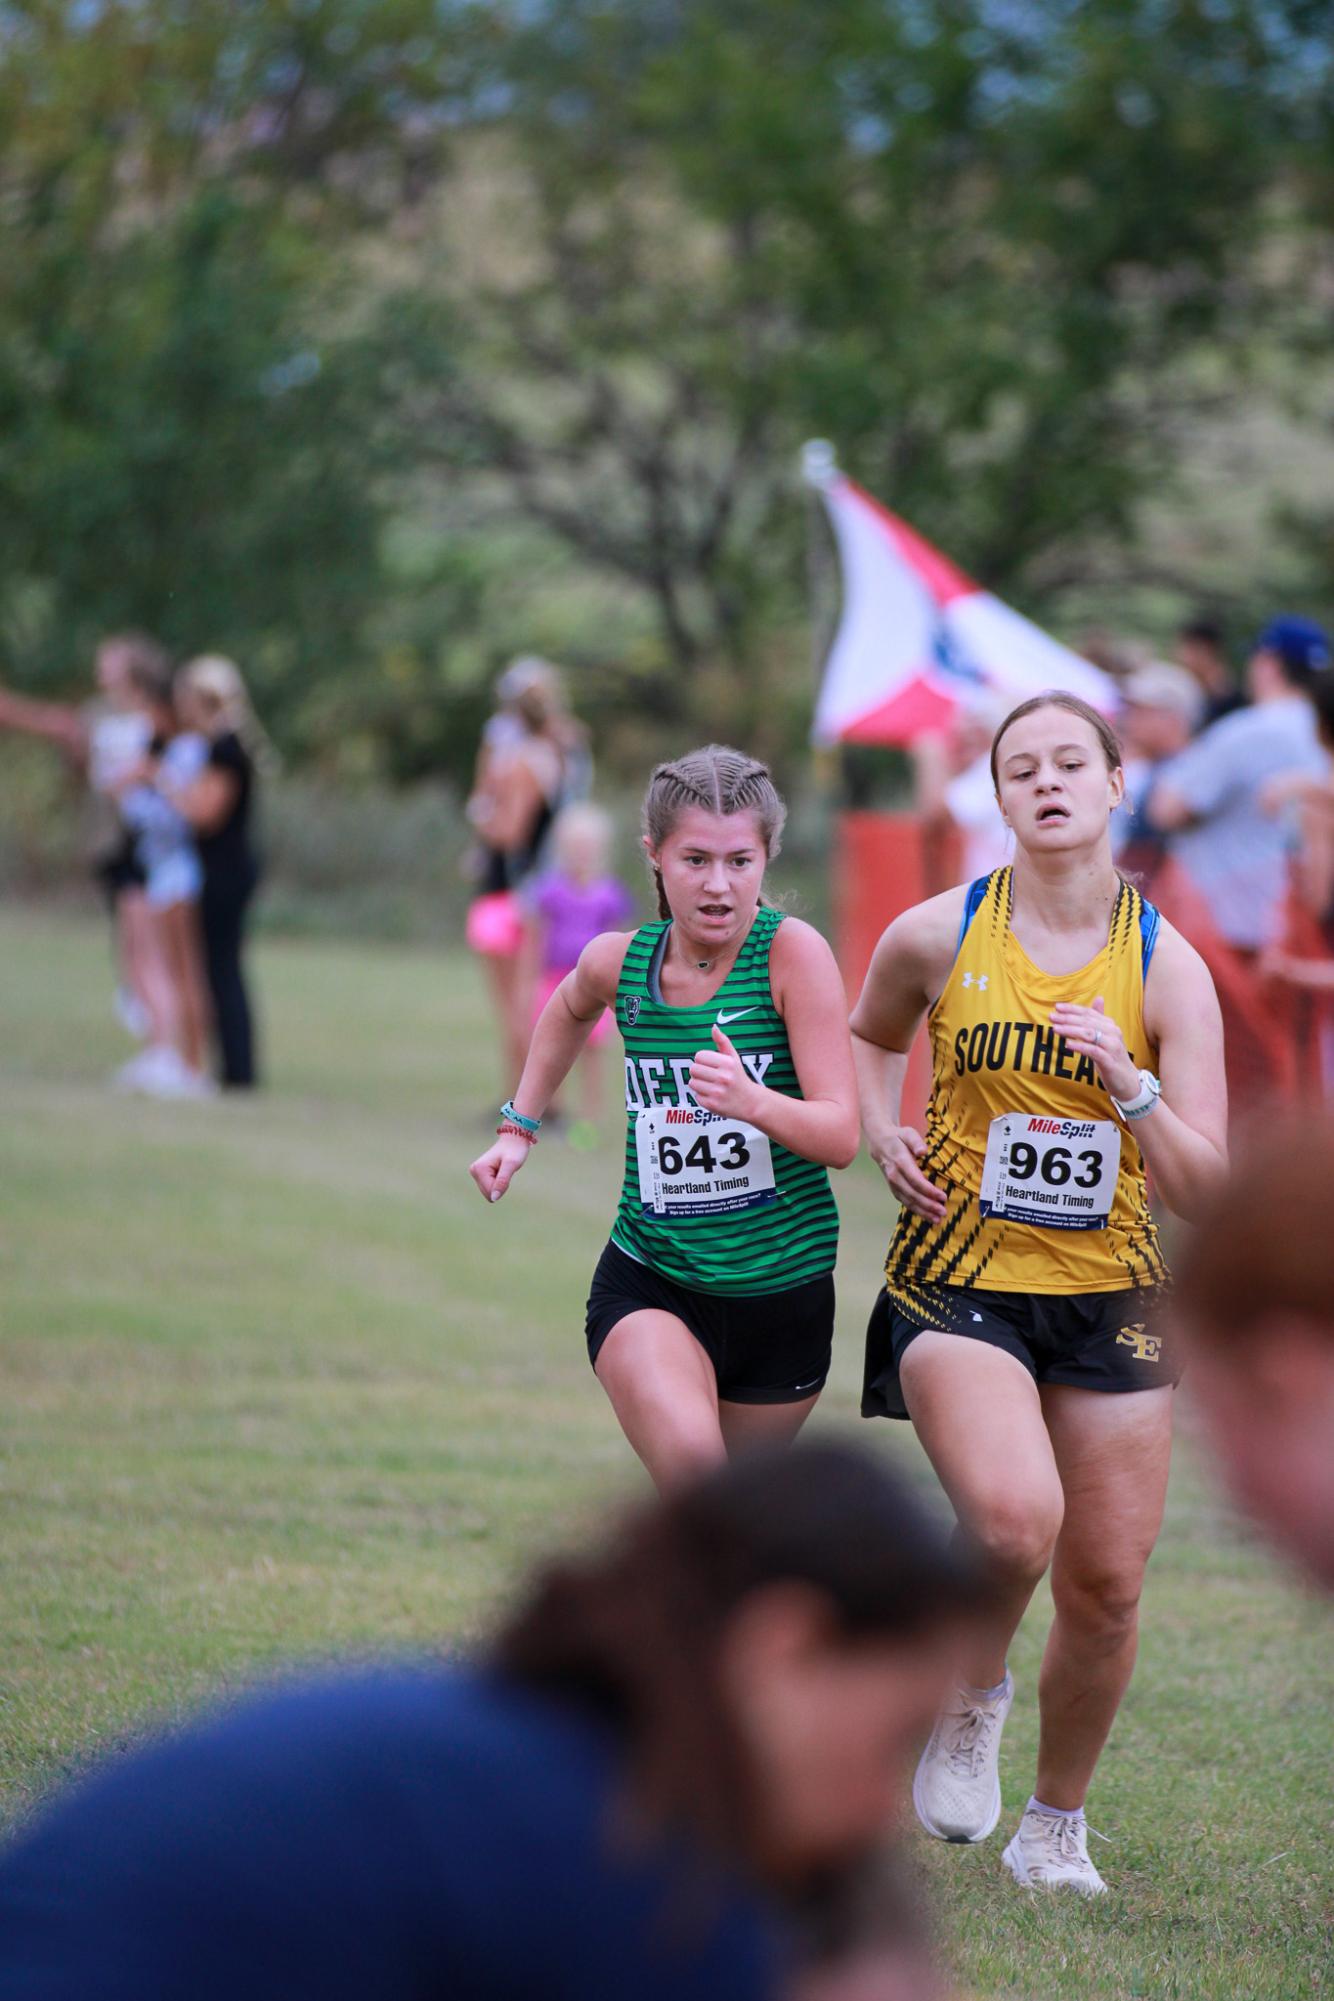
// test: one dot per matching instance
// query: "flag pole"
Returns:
(819, 470)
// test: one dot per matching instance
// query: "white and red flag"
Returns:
(916, 638)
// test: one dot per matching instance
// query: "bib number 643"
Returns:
(693, 1165)
(707, 1153)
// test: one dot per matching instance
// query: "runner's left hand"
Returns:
(1091, 1032)
(720, 1081)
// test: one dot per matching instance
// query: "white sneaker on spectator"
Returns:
(141, 1070)
(173, 1078)
(1050, 1852)
(956, 1788)
(162, 1072)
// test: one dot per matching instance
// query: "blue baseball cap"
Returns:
(1301, 644)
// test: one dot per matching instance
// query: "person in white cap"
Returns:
(1163, 708)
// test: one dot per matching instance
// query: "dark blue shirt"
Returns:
(407, 1833)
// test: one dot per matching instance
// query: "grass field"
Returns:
(273, 1383)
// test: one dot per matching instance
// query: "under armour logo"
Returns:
(978, 980)
(1147, 1347)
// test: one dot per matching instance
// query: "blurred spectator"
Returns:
(1201, 651)
(1255, 1297)
(217, 798)
(523, 776)
(1116, 656)
(664, 1781)
(1313, 801)
(1162, 707)
(504, 729)
(1303, 962)
(1210, 798)
(103, 740)
(172, 1066)
(954, 793)
(567, 907)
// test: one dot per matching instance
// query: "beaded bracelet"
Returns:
(527, 1125)
(508, 1126)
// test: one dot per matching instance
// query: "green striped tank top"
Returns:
(709, 1201)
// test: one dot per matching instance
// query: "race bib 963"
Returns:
(1057, 1173)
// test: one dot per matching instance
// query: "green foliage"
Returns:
(188, 461)
(188, 390)
(977, 246)
(373, 342)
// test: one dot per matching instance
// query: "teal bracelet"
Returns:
(507, 1111)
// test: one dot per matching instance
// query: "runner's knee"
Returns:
(1100, 1597)
(1018, 1532)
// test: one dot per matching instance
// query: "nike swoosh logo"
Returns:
(724, 1019)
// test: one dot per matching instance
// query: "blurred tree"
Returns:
(190, 367)
(566, 282)
(980, 246)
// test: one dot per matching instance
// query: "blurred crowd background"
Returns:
(369, 350)
(373, 347)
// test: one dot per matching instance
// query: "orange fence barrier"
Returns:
(883, 864)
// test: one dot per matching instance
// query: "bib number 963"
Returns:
(1057, 1173)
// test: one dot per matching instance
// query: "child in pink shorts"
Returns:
(567, 906)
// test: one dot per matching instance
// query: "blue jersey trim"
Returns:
(1149, 925)
(971, 905)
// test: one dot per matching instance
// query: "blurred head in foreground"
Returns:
(1255, 1299)
(669, 1775)
(770, 1642)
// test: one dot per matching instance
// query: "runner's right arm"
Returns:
(563, 1027)
(907, 972)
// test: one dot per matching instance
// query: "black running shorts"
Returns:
(766, 1347)
(1086, 1341)
(118, 871)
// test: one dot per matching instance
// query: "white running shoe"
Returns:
(956, 1787)
(1050, 1852)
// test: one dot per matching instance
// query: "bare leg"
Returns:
(1113, 1452)
(979, 1417)
(746, 1424)
(663, 1390)
(180, 924)
(509, 995)
(145, 947)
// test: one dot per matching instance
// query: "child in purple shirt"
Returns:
(572, 903)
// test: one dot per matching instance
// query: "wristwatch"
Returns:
(1139, 1107)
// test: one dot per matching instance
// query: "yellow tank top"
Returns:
(1044, 1183)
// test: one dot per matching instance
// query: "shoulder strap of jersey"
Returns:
(639, 952)
(1149, 925)
(762, 931)
(972, 903)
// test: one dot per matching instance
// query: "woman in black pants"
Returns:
(211, 699)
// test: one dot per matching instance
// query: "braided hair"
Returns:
(720, 780)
